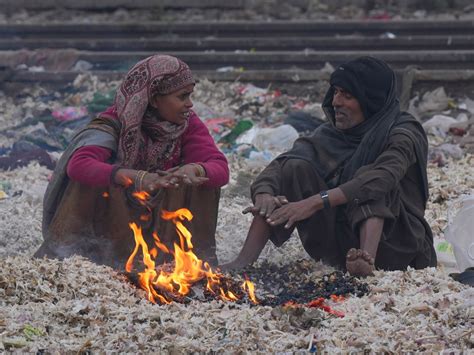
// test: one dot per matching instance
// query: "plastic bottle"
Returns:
(460, 234)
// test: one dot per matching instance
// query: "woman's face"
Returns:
(174, 107)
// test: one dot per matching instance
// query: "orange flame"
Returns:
(249, 287)
(160, 245)
(141, 196)
(145, 217)
(337, 298)
(128, 182)
(188, 268)
(176, 217)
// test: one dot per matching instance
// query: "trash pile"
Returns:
(39, 125)
(449, 122)
(252, 125)
(253, 122)
(74, 305)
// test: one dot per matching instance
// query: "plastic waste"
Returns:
(445, 253)
(203, 111)
(229, 69)
(460, 233)
(239, 128)
(259, 159)
(277, 139)
(42, 137)
(82, 65)
(100, 102)
(219, 126)
(468, 105)
(387, 35)
(69, 113)
(251, 90)
(36, 69)
(435, 100)
(447, 150)
(248, 136)
(5, 186)
(439, 122)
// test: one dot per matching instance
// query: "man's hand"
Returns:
(265, 204)
(292, 213)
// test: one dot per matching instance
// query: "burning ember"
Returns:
(165, 286)
(289, 285)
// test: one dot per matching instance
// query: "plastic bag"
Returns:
(277, 139)
(460, 233)
(69, 113)
(445, 253)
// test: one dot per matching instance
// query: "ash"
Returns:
(277, 284)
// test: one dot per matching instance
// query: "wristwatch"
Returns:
(325, 197)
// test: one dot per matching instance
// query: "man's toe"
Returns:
(351, 254)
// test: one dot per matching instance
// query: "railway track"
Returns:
(274, 51)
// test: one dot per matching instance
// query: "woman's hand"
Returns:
(189, 174)
(265, 204)
(152, 182)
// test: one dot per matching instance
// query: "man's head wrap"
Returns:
(368, 79)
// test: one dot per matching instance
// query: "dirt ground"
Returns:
(51, 306)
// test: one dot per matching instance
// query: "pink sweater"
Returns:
(88, 165)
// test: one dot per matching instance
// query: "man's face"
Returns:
(348, 112)
(175, 107)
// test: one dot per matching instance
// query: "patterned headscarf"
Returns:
(145, 141)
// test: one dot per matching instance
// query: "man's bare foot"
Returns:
(233, 265)
(359, 263)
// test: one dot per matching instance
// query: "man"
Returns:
(356, 190)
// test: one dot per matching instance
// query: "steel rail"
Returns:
(239, 29)
(342, 43)
(292, 51)
(282, 59)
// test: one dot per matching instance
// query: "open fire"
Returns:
(189, 276)
(165, 286)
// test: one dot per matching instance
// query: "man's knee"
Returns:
(296, 167)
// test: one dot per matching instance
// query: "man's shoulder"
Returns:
(407, 121)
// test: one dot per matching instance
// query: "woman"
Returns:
(149, 140)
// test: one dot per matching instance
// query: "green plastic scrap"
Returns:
(100, 102)
(239, 128)
(30, 332)
(444, 247)
(5, 186)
